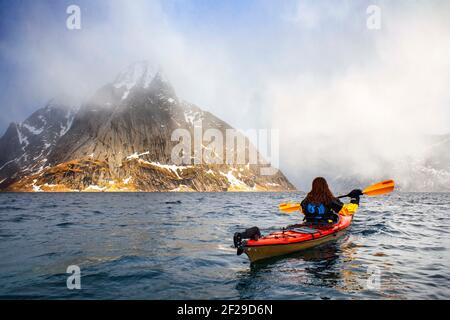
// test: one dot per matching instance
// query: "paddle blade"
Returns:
(380, 188)
(289, 207)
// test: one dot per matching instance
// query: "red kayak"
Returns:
(293, 240)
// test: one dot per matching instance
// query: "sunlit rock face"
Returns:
(120, 140)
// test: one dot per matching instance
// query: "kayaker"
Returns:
(321, 207)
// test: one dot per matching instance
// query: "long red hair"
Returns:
(320, 192)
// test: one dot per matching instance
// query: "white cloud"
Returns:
(365, 119)
(313, 14)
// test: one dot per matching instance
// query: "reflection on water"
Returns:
(318, 267)
(333, 265)
(175, 246)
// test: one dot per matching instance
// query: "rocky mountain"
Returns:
(25, 146)
(121, 140)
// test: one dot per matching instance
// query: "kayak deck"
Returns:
(297, 239)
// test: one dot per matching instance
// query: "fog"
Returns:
(347, 100)
(371, 119)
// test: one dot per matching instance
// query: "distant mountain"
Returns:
(120, 140)
(429, 171)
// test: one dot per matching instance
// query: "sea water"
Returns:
(179, 246)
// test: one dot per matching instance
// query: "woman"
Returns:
(321, 207)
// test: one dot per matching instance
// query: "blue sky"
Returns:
(310, 69)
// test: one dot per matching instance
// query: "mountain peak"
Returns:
(61, 102)
(139, 74)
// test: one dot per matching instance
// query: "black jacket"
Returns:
(316, 212)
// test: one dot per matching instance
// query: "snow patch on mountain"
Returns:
(191, 116)
(23, 140)
(69, 120)
(137, 155)
(94, 187)
(171, 167)
(127, 180)
(32, 129)
(234, 182)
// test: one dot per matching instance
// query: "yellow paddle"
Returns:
(376, 189)
(289, 207)
(380, 188)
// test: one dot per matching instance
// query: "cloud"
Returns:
(313, 14)
(364, 120)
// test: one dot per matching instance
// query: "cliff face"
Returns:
(121, 140)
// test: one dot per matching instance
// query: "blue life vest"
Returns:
(317, 211)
